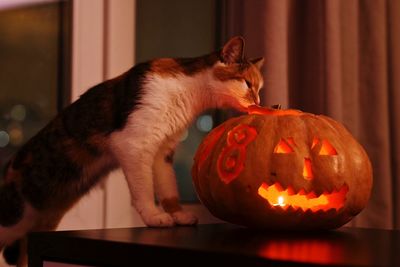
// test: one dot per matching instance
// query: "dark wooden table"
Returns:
(216, 244)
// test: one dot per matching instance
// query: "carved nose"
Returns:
(307, 169)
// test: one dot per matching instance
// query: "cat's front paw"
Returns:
(184, 218)
(162, 219)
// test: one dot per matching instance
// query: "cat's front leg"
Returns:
(136, 160)
(166, 187)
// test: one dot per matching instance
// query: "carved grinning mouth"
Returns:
(285, 198)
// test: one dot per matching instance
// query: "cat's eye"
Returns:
(249, 85)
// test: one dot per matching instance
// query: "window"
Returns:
(33, 69)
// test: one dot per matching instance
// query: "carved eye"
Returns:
(248, 83)
(326, 148)
(283, 146)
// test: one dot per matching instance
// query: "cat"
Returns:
(133, 121)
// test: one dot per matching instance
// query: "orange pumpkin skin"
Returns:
(282, 169)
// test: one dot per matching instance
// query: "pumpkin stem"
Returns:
(276, 106)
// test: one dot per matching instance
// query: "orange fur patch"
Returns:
(228, 72)
(166, 67)
(187, 66)
(245, 71)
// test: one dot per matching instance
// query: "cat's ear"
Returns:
(258, 62)
(233, 50)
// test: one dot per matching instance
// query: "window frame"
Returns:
(103, 46)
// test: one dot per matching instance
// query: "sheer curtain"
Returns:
(340, 58)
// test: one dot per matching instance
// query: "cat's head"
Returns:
(236, 80)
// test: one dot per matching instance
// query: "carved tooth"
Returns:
(295, 208)
(318, 193)
(337, 189)
(278, 187)
(290, 209)
(286, 207)
(290, 190)
(304, 209)
(311, 195)
(320, 211)
(302, 192)
(299, 211)
(308, 211)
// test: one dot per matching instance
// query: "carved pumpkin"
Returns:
(282, 169)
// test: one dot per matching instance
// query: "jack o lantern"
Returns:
(283, 169)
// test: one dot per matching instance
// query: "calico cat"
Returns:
(133, 121)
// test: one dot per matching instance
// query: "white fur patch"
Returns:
(167, 106)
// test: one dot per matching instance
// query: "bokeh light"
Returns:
(16, 133)
(204, 123)
(4, 139)
(18, 112)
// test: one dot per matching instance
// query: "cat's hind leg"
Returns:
(13, 237)
(166, 186)
(16, 216)
(11, 205)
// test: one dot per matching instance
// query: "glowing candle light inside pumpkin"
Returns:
(281, 201)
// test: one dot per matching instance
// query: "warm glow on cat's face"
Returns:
(233, 94)
(238, 86)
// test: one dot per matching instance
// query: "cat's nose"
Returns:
(257, 99)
